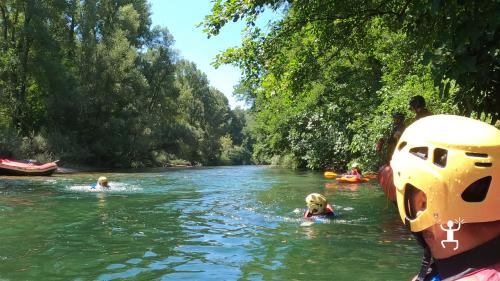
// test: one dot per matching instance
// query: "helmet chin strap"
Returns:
(426, 258)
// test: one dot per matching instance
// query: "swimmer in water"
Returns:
(102, 183)
(317, 205)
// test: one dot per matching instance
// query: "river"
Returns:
(221, 223)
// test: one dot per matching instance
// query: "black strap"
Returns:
(426, 258)
(426, 265)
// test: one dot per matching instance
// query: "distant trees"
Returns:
(92, 82)
(325, 77)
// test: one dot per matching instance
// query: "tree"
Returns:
(92, 82)
(206, 110)
(324, 77)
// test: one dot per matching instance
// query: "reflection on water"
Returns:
(225, 223)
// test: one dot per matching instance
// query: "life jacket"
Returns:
(491, 273)
(484, 274)
(479, 264)
(328, 212)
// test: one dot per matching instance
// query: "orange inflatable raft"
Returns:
(352, 180)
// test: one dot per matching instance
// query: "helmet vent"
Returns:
(440, 156)
(474, 154)
(421, 152)
(402, 145)
(480, 164)
(476, 192)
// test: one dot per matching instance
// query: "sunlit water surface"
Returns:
(223, 223)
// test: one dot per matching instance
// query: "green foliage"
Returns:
(92, 82)
(233, 154)
(325, 79)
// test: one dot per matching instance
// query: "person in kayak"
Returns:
(447, 177)
(354, 172)
(317, 205)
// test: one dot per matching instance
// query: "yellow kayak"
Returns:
(330, 175)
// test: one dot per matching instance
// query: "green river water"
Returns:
(222, 223)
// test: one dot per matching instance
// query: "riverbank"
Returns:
(74, 169)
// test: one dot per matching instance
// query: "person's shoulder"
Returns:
(483, 274)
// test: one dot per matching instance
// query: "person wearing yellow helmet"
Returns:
(317, 205)
(102, 183)
(447, 178)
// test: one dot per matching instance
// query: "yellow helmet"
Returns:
(316, 203)
(103, 181)
(452, 162)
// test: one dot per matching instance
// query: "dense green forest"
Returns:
(92, 82)
(324, 77)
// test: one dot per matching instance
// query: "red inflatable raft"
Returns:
(14, 168)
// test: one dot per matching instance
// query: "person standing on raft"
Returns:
(447, 177)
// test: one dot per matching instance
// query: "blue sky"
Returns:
(181, 18)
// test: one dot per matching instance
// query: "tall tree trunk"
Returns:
(14, 25)
(71, 31)
(71, 37)
(20, 102)
(5, 22)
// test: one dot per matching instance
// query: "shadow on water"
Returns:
(223, 223)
